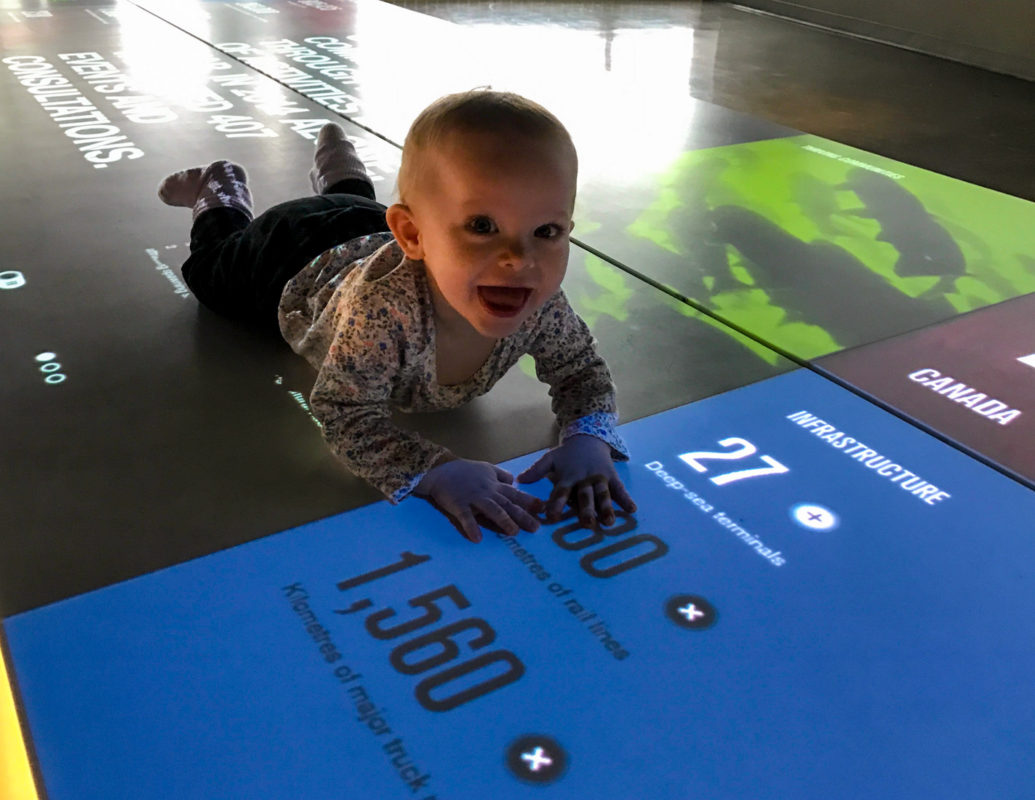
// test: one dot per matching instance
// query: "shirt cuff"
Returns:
(404, 491)
(432, 459)
(602, 425)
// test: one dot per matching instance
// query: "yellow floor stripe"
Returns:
(15, 775)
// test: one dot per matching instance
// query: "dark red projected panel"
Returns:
(971, 380)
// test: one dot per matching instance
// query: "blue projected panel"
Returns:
(815, 600)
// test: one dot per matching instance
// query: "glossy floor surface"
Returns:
(930, 112)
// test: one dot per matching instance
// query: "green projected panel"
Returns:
(814, 246)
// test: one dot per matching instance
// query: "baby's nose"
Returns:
(516, 255)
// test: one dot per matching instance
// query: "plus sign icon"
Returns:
(536, 758)
(690, 611)
(814, 517)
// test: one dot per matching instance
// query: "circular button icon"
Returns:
(814, 517)
(536, 758)
(11, 279)
(690, 611)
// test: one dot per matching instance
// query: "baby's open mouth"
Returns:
(504, 301)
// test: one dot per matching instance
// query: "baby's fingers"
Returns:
(540, 469)
(468, 525)
(524, 520)
(557, 500)
(594, 501)
(502, 518)
(529, 502)
(602, 499)
(622, 496)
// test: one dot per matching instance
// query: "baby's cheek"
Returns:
(556, 272)
(466, 263)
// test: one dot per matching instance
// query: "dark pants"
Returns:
(238, 268)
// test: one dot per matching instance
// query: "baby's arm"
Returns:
(582, 466)
(399, 463)
(357, 426)
(351, 400)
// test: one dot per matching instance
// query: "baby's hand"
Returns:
(583, 475)
(463, 489)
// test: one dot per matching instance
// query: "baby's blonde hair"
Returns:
(478, 111)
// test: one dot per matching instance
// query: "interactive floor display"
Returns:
(822, 594)
(814, 246)
(784, 617)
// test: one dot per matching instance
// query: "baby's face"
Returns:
(494, 221)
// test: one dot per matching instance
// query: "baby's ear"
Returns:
(404, 228)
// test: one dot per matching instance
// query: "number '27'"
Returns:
(743, 449)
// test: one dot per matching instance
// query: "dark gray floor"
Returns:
(951, 118)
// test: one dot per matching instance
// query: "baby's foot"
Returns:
(335, 160)
(181, 188)
(222, 184)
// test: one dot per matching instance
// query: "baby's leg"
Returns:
(238, 266)
(337, 169)
(221, 205)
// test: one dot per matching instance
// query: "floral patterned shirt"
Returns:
(361, 314)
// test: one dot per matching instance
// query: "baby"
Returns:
(426, 304)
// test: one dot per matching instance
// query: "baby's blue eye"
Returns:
(482, 225)
(548, 231)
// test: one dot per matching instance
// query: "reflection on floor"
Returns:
(929, 112)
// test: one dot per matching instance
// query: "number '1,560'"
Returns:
(423, 651)
(439, 647)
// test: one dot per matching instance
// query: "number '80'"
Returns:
(611, 559)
